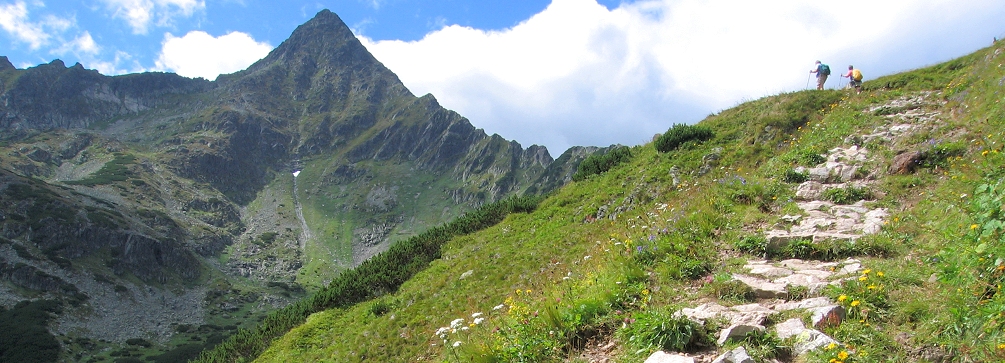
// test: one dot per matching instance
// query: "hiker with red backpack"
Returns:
(822, 71)
(854, 78)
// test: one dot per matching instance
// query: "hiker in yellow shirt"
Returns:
(854, 78)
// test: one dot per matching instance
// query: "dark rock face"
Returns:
(237, 165)
(31, 278)
(53, 96)
(57, 224)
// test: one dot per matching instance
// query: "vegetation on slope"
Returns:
(376, 277)
(608, 258)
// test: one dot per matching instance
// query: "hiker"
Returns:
(822, 71)
(854, 78)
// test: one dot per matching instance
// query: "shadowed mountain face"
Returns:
(160, 180)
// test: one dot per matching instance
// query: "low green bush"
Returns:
(833, 249)
(847, 195)
(113, 171)
(755, 245)
(938, 155)
(681, 134)
(662, 329)
(793, 176)
(601, 162)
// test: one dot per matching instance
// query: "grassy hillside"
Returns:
(600, 267)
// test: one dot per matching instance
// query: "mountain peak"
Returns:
(5, 63)
(324, 40)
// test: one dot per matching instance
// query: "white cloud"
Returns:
(580, 74)
(82, 45)
(14, 20)
(198, 54)
(140, 14)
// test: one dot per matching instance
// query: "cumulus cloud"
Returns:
(14, 20)
(581, 74)
(82, 45)
(198, 54)
(140, 14)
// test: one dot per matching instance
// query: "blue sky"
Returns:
(557, 72)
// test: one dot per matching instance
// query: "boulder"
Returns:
(738, 355)
(664, 357)
(768, 271)
(827, 316)
(736, 331)
(810, 190)
(805, 304)
(905, 162)
(810, 339)
(703, 312)
(763, 289)
(788, 328)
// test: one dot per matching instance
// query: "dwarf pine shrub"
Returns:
(681, 134)
(600, 162)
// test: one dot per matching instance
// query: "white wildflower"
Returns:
(457, 323)
(457, 344)
(479, 320)
(475, 315)
(500, 306)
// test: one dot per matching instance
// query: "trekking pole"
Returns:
(807, 82)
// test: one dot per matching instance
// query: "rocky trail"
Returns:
(791, 287)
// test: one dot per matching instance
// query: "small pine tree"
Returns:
(680, 134)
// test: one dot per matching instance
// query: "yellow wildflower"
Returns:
(842, 297)
(863, 278)
(1001, 346)
(973, 226)
(855, 303)
(867, 271)
(831, 346)
(880, 274)
(843, 355)
(872, 287)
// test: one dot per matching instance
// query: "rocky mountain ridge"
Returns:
(245, 191)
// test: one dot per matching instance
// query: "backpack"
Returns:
(825, 69)
(856, 75)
